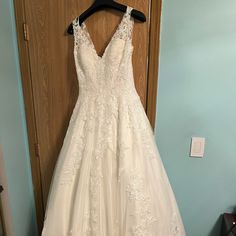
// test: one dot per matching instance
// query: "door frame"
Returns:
(152, 82)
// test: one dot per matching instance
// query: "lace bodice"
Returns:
(111, 72)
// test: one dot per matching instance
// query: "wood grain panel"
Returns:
(153, 60)
(29, 109)
(54, 81)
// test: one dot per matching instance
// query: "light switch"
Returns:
(197, 147)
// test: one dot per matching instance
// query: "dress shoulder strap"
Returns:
(80, 33)
(125, 28)
(129, 9)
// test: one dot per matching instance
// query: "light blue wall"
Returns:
(197, 97)
(13, 135)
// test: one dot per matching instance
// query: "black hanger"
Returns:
(100, 5)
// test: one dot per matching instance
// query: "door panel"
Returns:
(53, 79)
(54, 83)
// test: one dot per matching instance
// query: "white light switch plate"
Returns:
(197, 147)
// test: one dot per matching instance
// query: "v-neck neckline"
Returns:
(84, 27)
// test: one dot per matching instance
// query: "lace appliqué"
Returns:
(74, 145)
(125, 28)
(95, 185)
(143, 127)
(81, 35)
(141, 202)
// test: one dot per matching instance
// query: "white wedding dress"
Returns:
(109, 179)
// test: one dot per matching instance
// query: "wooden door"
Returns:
(49, 77)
